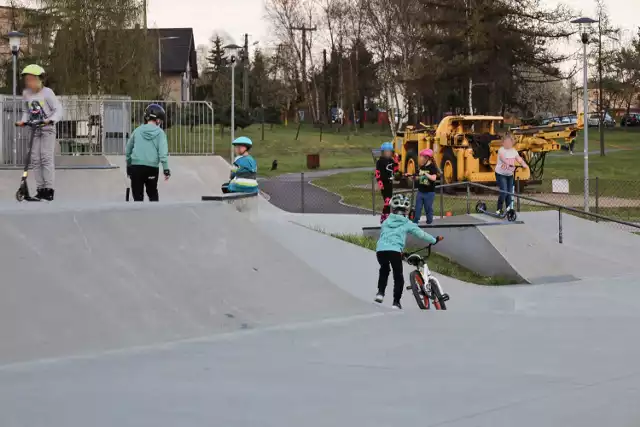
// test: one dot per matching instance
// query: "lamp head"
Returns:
(233, 49)
(14, 41)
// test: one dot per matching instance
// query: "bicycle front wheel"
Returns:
(438, 302)
(417, 285)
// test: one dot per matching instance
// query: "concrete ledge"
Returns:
(242, 202)
(467, 245)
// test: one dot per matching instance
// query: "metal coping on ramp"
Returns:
(458, 221)
(228, 196)
(470, 223)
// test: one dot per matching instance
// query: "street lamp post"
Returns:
(584, 26)
(160, 40)
(234, 52)
(14, 41)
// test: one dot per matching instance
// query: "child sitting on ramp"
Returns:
(244, 171)
(393, 234)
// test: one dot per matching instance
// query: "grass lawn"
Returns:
(345, 148)
(355, 188)
(338, 148)
(438, 263)
(623, 165)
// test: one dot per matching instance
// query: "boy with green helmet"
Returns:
(244, 170)
(49, 111)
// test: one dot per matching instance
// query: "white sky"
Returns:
(236, 17)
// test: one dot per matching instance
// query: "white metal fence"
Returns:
(102, 126)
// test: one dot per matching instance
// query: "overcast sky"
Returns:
(236, 17)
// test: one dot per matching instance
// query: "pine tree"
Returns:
(217, 59)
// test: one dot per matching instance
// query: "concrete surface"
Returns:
(194, 314)
(85, 281)
(192, 177)
(526, 366)
(292, 193)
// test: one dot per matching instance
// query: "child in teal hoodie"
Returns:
(244, 171)
(393, 235)
(146, 149)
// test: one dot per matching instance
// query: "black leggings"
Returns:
(387, 261)
(144, 177)
(387, 193)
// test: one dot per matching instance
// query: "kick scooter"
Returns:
(509, 213)
(23, 191)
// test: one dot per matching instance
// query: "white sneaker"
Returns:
(379, 298)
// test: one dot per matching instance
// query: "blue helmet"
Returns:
(242, 140)
(387, 146)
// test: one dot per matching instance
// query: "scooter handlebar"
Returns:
(34, 123)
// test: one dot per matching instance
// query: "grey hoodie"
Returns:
(51, 107)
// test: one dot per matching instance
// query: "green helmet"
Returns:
(34, 70)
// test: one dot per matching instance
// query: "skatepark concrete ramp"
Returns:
(494, 248)
(191, 178)
(87, 280)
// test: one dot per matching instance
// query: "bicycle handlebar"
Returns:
(427, 248)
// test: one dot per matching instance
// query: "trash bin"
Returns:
(313, 161)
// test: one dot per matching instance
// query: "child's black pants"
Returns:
(144, 177)
(390, 260)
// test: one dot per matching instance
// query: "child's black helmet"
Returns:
(154, 112)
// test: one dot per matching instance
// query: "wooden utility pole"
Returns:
(144, 14)
(304, 57)
(601, 109)
(245, 74)
(325, 115)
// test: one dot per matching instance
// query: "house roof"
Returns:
(178, 49)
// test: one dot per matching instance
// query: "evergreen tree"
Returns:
(217, 58)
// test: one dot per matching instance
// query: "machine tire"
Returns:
(412, 159)
(449, 169)
(511, 215)
(481, 207)
(416, 280)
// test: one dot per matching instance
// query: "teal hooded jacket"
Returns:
(393, 233)
(148, 146)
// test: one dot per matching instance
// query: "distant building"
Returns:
(617, 106)
(178, 61)
(18, 19)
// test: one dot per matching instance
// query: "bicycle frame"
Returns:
(428, 279)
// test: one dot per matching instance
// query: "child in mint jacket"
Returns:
(393, 235)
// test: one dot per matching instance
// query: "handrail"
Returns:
(560, 208)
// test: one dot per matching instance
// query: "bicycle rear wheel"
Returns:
(417, 284)
(438, 302)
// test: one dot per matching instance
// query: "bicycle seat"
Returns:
(414, 260)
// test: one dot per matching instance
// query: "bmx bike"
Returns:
(425, 286)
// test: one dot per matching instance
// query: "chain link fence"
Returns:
(102, 126)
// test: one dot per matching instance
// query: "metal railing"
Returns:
(297, 193)
(102, 126)
(535, 201)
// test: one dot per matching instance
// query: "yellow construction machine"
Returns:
(466, 147)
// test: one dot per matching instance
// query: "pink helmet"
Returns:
(428, 152)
